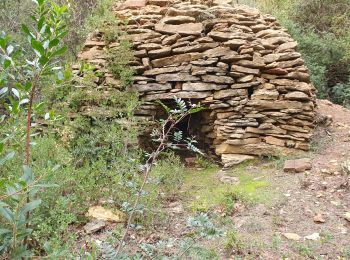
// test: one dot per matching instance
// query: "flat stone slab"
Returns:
(132, 4)
(94, 226)
(182, 29)
(234, 159)
(201, 86)
(299, 165)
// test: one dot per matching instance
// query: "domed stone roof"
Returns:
(239, 64)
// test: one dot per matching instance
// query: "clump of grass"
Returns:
(206, 191)
(233, 242)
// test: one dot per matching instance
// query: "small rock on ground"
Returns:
(313, 236)
(292, 236)
(299, 165)
(226, 178)
(230, 160)
(347, 216)
(319, 219)
(94, 226)
(101, 213)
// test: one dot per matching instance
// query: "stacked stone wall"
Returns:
(239, 64)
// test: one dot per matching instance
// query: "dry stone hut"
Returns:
(239, 64)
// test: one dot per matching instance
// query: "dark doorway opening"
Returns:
(190, 127)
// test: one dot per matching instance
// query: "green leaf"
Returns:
(41, 23)
(4, 40)
(60, 75)
(30, 207)
(9, 49)
(46, 44)
(7, 63)
(38, 46)
(3, 204)
(60, 51)
(4, 231)
(54, 43)
(26, 30)
(3, 91)
(43, 60)
(7, 157)
(15, 92)
(27, 174)
(7, 214)
(28, 86)
(195, 110)
(47, 185)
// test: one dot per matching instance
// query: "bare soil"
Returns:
(259, 227)
(305, 195)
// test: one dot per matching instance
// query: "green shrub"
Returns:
(341, 93)
(315, 24)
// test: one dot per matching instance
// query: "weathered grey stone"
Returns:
(243, 141)
(155, 54)
(290, 63)
(254, 149)
(245, 79)
(246, 85)
(235, 43)
(234, 56)
(132, 4)
(304, 77)
(201, 86)
(265, 94)
(288, 84)
(208, 62)
(269, 58)
(218, 79)
(274, 141)
(299, 165)
(171, 39)
(297, 95)
(288, 56)
(141, 37)
(225, 36)
(176, 77)
(158, 71)
(287, 46)
(150, 46)
(178, 20)
(296, 128)
(177, 59)
(196, 48)
(200, 70)
(158, 2)
(150, 87)
(245, 70)
(229, 93)
(275, 105)
(182, 29)
(180, 94)
(255, 64)
(217, 52)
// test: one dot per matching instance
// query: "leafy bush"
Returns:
(25, 69)
(341, 93)
(315, 24)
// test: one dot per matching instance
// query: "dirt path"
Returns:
(255, 207)
(311, 203)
